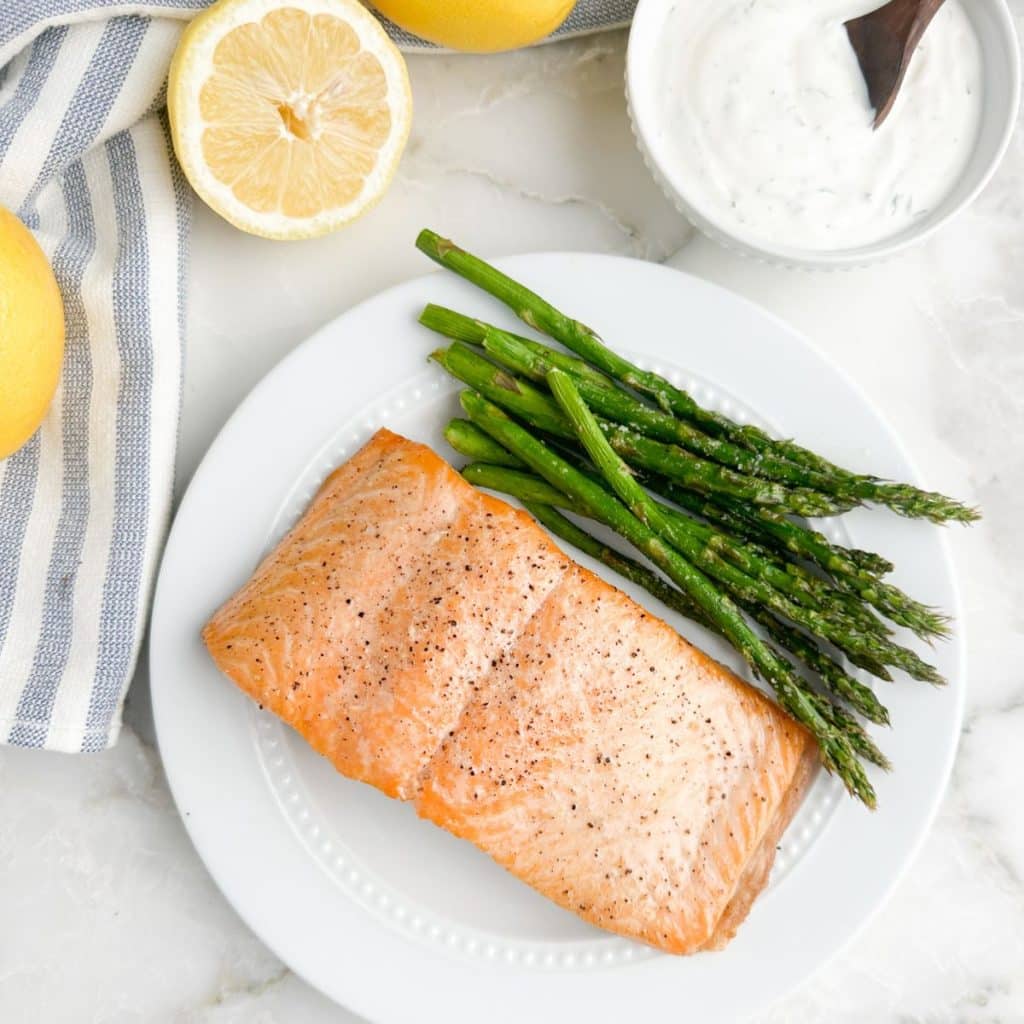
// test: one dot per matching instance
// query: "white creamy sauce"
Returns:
(766, 120)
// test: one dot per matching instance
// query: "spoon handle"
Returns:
(884, 41)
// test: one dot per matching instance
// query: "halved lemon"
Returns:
(288, 117)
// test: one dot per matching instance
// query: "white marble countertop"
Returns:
(108, 915)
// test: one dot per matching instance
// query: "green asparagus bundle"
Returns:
(707, 500)
(750, 555)
(607, 400)
(530, 403)
(535, 362)
(844, 485)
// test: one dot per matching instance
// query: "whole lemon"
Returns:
(31, 334)
(478, 26)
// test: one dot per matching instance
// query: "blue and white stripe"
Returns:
(86, 163)
(83, 506)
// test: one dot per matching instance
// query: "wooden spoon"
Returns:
(884, 41)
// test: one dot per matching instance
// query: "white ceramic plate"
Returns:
(388, 914)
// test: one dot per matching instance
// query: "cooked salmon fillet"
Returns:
(434, 642)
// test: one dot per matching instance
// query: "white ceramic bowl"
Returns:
(993, 24)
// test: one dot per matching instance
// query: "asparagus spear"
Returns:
(752, 557)
(539, 497)
(521, 484)
(499, 386)
(773, 530)
(537, 408)
(671, 461)
(469, 440)
(580, 339)
(460, 327)
(805, 588)
(904, 499)
(926, 622)
(837, 753)
(715, 514)
(791, 579)
(848, 638)
(868, 561)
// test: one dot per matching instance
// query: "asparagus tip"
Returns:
(933, 625)
(859, 787)
(967, 514)
(865, 792)
(946, 510)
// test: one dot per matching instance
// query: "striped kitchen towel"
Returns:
(85, 162)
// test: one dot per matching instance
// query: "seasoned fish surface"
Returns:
(434, 642)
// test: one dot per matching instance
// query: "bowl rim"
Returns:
(642, 120)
